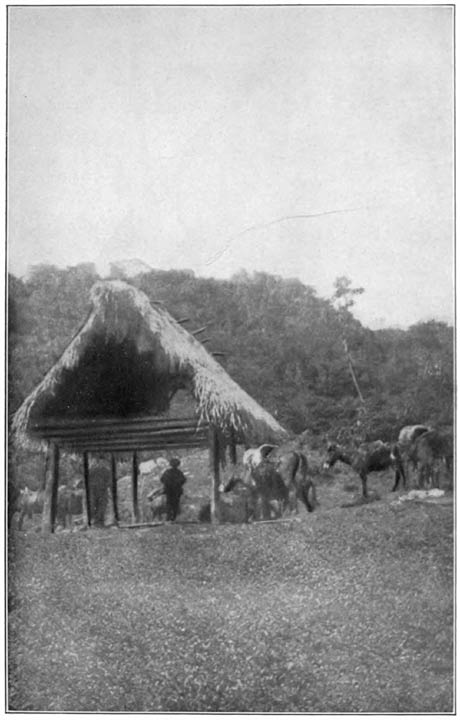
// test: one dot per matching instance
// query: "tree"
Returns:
(343, 299)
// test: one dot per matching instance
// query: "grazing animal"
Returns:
(367, 458)
(406, 438)
(29, 503)
(429, 448)
(270, 488)
(254, 456)
(264, 491)
(409, 433)
(291, 466)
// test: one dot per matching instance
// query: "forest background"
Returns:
(305, 358)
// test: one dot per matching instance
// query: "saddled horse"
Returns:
(265, 493)
(290, 465)
(428, 450)
(367, 458)
(406, 439)
(270, 488)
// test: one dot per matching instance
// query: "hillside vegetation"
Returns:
(283, 344)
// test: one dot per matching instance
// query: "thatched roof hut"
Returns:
(128, 361)
(113, 388)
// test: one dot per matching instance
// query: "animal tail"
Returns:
(302, 467)
(305, 486)
(395, 453)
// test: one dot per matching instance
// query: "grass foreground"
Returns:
(344, 610)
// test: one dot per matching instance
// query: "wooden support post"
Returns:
(51, 488)
(214, 463)
(114, 488)
(135, 478)
(87, 492)
(54, 496)
(233, 458)
(47, 462)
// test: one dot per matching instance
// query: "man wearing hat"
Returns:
(173, 480)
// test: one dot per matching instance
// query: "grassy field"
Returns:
(344, 610)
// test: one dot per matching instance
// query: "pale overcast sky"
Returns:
(202, 137)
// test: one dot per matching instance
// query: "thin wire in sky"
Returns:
(284, 218)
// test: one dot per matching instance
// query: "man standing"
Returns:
(173, 480)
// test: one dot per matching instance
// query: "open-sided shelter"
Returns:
(112, 391)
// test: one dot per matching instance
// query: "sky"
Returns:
(309, 142)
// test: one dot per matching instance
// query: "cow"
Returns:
(428, 450)
(366, 458)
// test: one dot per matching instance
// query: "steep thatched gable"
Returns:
(128, 361)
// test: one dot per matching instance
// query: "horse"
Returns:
(270, 488)
(367, 458)
(429, 448)
(264, 489)
(292, 467)
(406, 438)
(254, 456)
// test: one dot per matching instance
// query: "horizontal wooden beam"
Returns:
(131, 447)
(111, 421)
(119, 433)
(133, 439)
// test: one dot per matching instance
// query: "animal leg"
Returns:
(293, 504)
(399, 473)
(305, 489)
(314, 499)
(420, 475)
(364, 484)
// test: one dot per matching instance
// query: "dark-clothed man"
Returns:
(173, 481)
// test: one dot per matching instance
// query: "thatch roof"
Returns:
(128, 360)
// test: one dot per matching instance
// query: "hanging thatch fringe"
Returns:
(121, 311)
